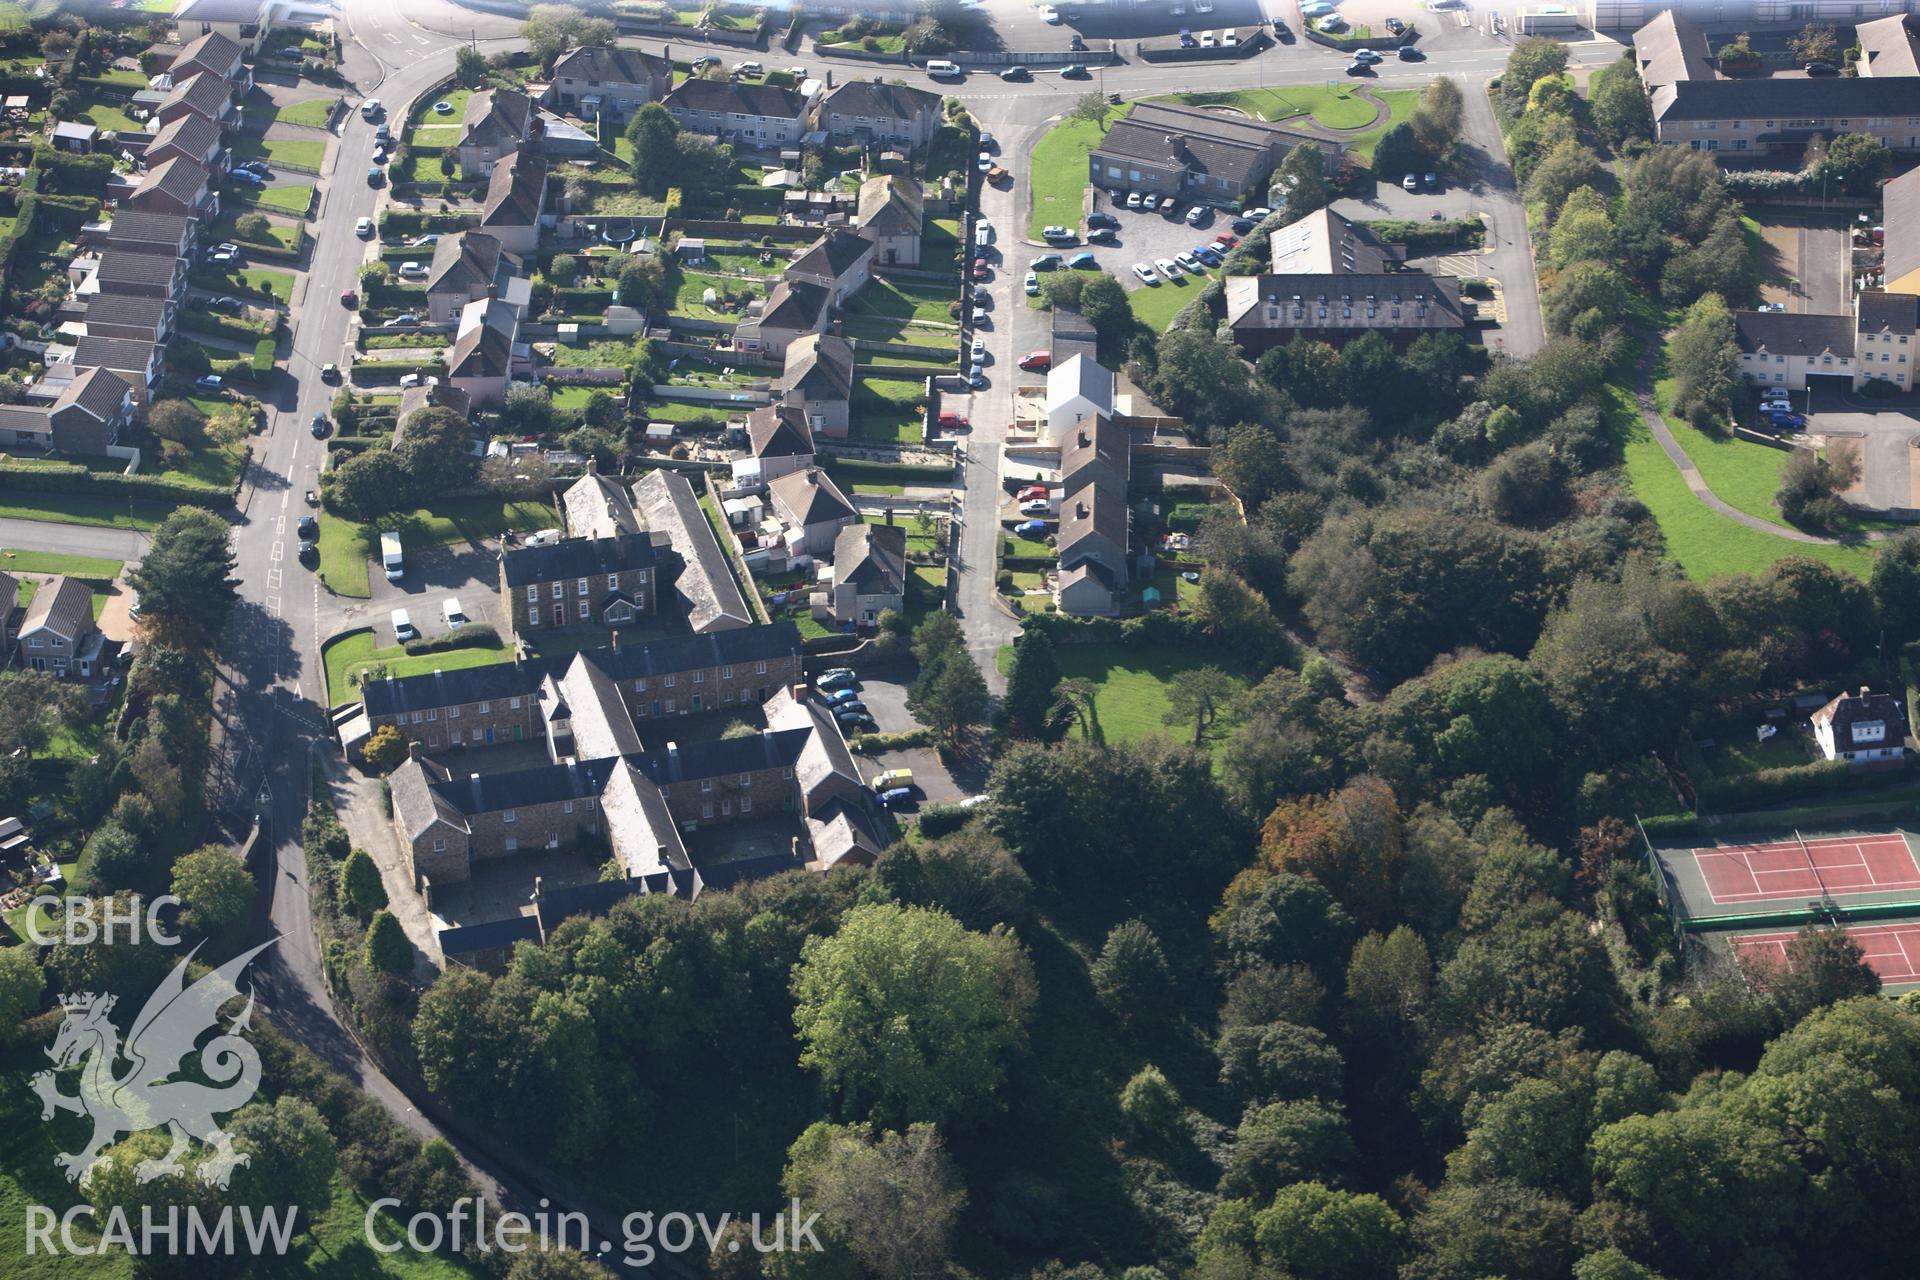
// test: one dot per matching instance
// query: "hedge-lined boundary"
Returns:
(71, 478)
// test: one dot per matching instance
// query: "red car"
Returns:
(953, 422)
(1031, 491)
(1226, 239)
(1038, 362)
(981, 271)
(348, 298)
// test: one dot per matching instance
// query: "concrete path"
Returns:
(1650, 414)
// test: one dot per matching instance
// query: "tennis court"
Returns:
(1787, 870)
(1892, 949)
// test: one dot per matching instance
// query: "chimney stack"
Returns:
(593, 466)
(413, 748)
(537, 888)
(616, 639)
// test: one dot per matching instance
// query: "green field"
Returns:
(1058, 171)
(1132, 682)
(346, 656)
(1336, 106)
(1156, 305)
(1703, 543)
(56, 562)
(346, 545)
(76, 508)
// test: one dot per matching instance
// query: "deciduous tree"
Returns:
(215, 886)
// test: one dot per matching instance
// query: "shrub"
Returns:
(471, 636)
(263, 353)
(938, 820)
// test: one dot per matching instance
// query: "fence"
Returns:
(1347, 44)
(1255, 43)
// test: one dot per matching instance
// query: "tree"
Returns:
(893, 1199)
(1896, 585)
(1738, 58)
(949, 694)
(551, 29)
(1302, 175)
(1078, 700)
(1855, 162)
(1285, 918)
(1584, 231)
(384, 749)
(184, 585)
(21, 983)
(1819, 967)
(1436, 121)
(368, 485)
(1249, 462)
(254, 226)
(1561, 172)
(1279, 1062)
(1316, 1233)
(655, 137)
(216, 887)
(1815, 42)
(435, 450)
(470, 65)
(642, 280)
(1618, 104)
(1810, 488)
(1585, 300)
(33, 707)
(1150, 1103)
(559, 1264)
(702, 165)
(1090, 107)
(1704, 358)
(387, 948)
(361, 890)
(528, 410)
(179, 420)
(1286, 1142)
(1399, 152)
(907, 1016)
(1130, 976)
(290, 1155)
(1104, 304)
(1531, 59)
(1206, 381)
(1027, 710)
(1388, 982)
(1199, 694)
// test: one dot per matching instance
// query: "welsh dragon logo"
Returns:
(143, 1096)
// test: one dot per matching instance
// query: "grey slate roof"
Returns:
(99, 392)
(1888, 47)
(1204, 142)
(122, 266)
(126, 309)
(492, 683)
(1790, 334)
(193, 134)
(832, 255)
(1095, 450)
(496, 118)
(139, 232)
(63, 606)
(113, 353)
(213, 51)
(1668, 50)
(465, 262)
(615, 65)
(205, 94)
(735, 98)
(871, 558)
(671, 654)
(877, 98)
(515, 191)
(811, 496)
(794, 304)
(178, 177)
(1900, 212)
(892, 205)
(578, 558)
(705, 581)
(819, 366)
(779, 431)
(1868, 710)
(1785, 99)
(1324, 243)
(1889, 313)
(1422, 302)
(598, 506)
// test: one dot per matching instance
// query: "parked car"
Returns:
(1409, 53)
(1016, 73)
(1033, 284)
(1206, 254)
(308, 528)
(1822, 69)
(329, 373)
(455, 615)
(887, 779)
(748, 69)
(985, 162)
(950, 421)
(1031, 528)
(1145, 273)
(1396, 26)
(1167, 267)
(1082, 261)
(1031, 492)
(896, 798)
(1044, 262)
(1187, 263)
(1431, 181)
(1037, 361)
(1226, 240)
(226, 302)
(209, 382)
(1196, 215)
(851, 710)
(840, 697)
(1135, 199)
(309, 553)
(403, 628)
(979, 350)
(1036, 507)
(321, 426)
(837, 678)
(413, 271)
(422, 242)
(977, 380)
(375, 175)
(1103, 235)
(1149, 202)
(1242, 225)
(1410, 182)
(1098, 219)
(247, 178)
(1049, 15)
(364, 228)
(1056, 233)
(981, 271)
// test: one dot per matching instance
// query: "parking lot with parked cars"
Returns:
(1117, 239)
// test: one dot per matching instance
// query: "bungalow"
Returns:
(58, 634)
(614, 80)
(813, 510)
(818, 382)
(209, 97)
(1861, 728)
(754, 115)
(868, 576)
(516, 193)
(497, 123)
(866, 113)
(839, 262)
(892, 214)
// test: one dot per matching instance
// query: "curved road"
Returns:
(271, 713)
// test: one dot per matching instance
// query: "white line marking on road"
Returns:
(279, 550)
(273, 579)
(273, 605)
(391, 38)
(284, 495)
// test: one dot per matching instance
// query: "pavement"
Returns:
(72, 539)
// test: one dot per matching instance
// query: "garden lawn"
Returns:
(295, 153)
(1335, 106)
(78, 508)
(871, 329)
(313, 113)
(1156, 305)
(457, 99)
(1132, 686)
(940, 246)
(278, 283)
(56, 562)
(1702, 542)
(349, 655)
(347, 545)
(887, 408)
(14, 16)
(108, 116)
(1058, 171)
(292, 201)
(905, 301)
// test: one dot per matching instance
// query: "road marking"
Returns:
(279, 551)
(273, 579)
(284, 494)
(391, 38)
(273, 605)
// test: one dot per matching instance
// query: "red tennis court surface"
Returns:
(1790, 869)
(1892, 949)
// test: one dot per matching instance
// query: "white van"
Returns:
(403, 627)
(941, 67)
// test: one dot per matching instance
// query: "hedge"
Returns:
(359, 444)
(868, 743)
(367, 370)
(200, 320)
(1766, 785)
(472, 636)
(402, 222)
(854, 471)
(67, 478)
(938, 820)
(1431, 237)
(263, 354)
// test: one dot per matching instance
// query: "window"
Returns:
(416, 718)
(726, 807)
(640, 600)
(706, 810)
(726, 673)
(587, 804)
(513, 842)
(484, 708)
(581, 587)
(700, 677)
(533, 592)
(786, 771)
(640, 685)
(760, 668)
(509, 815)
(559, 612)
(439, 844)
(515, 704)
(566, 806)
(668, 681)
(706, 784)
(613, 582)
(746, 804)
(533, 616)
(641, 577)
(586, 608)
(433, 714)
(670, 706)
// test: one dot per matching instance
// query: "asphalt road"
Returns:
(72, 539)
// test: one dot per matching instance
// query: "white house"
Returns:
(1077, 391)
(1861, 728)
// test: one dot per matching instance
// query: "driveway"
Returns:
(433, 575)
(1880, 439)
(885, 694)
(1805, 261)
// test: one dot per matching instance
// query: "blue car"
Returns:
(1784, 420)
(837, 678)
(1030, 528)
(841, 696)
(1081, 260)
(248, 177)
(896, 797)
(1206, 255)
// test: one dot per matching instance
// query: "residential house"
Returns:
(869, 113)
(138, 364)
(1097, 451)
(1900, 215)
(1269, 311)
(497, 123)
(480, 362)
(1079, 390)
(1196, 155)
(812, 509)
(834, 797)
(166, 234)
(516, 194)
(616, 81)
(434, 393)
(868, 575)
(178, 187)
(470, 706)
(579, 581)
(705, 582)
(725, 670)
(188, 137)
(87, 416)
(598, 506)
(245, 22)
(1862, 728)
(144, 275)
(792, 309)
(1093, 532)
(206, 96)
(818, 381)
(892, 213)
(839, 262)
(1696, 106)
(1781, 349)
(754, 115)
(212, 54)
(58, 634)
(466, 268)
(126, 315)
(779, 440)
(1326, 244)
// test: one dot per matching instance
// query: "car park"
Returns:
(1226, 241)
(1149, 202)
(1030, 528)
(1033, 284)
(403, 628)
(1167, 268)
(1187, 263)
(837, 678)
(1037, 361)
(1145, 273)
